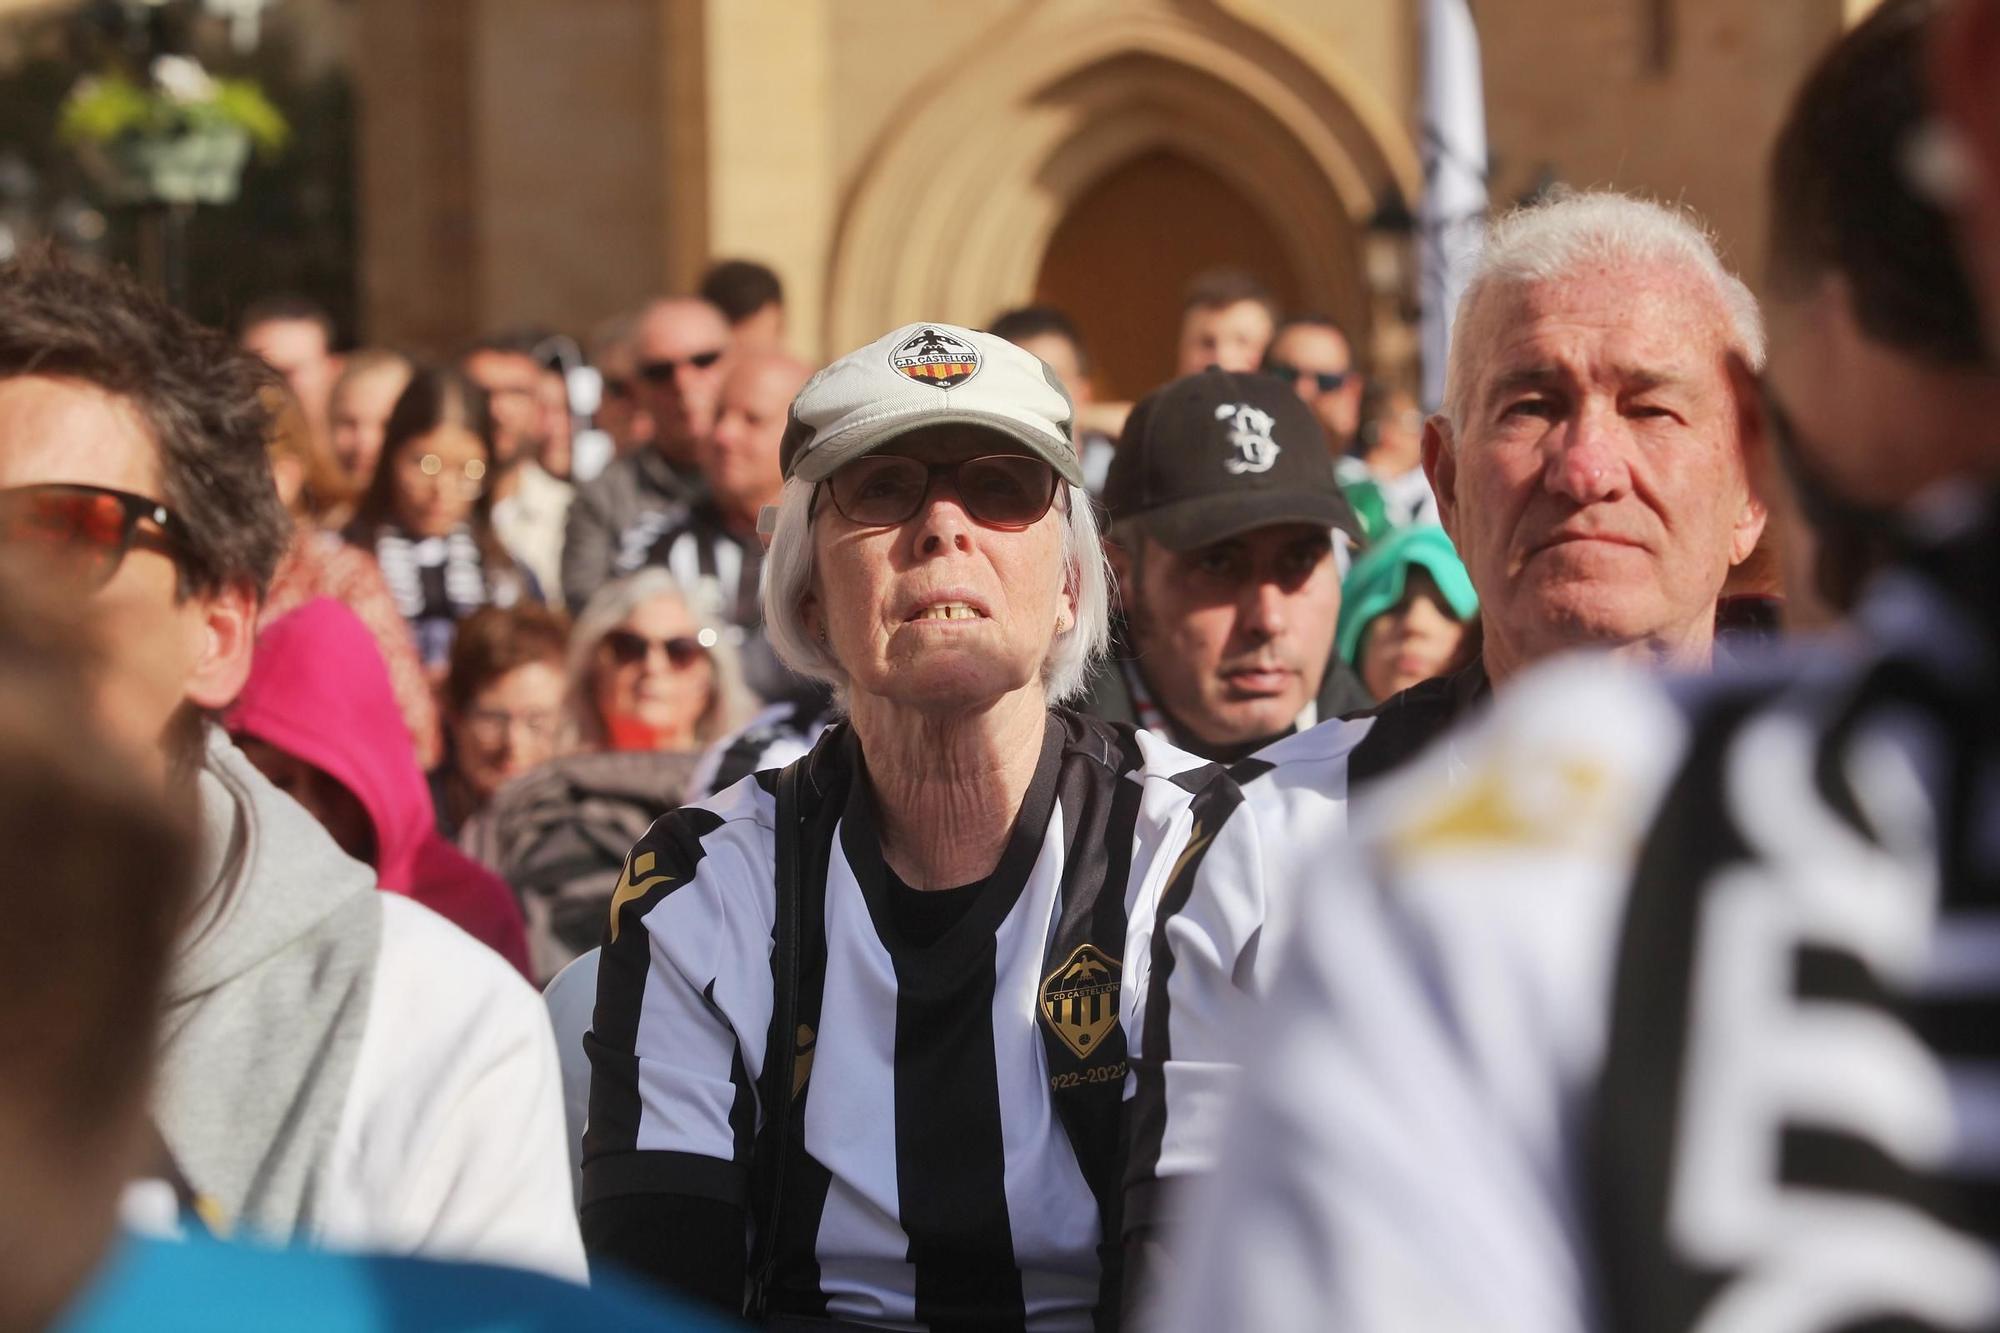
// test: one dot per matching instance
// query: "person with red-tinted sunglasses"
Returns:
(338, 1064)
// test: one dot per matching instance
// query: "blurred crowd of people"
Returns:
(913, 843)
(558, 556)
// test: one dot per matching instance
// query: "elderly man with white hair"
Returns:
(1588, 465)
(868, 1010)
(1662, 1004)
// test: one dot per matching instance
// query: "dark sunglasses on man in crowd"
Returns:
(83, 532)
(628, 648)
(998, 490)
(1327, 380)
(663, 370)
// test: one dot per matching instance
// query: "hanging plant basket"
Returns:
(177, 137)
(199, 166)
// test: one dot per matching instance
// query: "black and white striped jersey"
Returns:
(700, 551)
(957, 1158)
(777, 735)
(1221, 922)
(1652, 1007)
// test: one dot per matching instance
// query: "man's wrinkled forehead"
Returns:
(1631, 325)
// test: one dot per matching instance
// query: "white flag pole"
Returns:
(1451, 220)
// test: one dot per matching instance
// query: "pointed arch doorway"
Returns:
(1120, 259)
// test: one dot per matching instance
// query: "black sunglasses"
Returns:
(664, 370)
(1327, 380)
(998, 490)
(630, 649)
(83, 532)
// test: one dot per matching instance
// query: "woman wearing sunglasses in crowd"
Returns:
(648, 672)
(427, 515)
(934, 1060)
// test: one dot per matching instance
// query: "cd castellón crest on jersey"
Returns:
(1080, 999)
(932, 356)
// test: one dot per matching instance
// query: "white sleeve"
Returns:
(1373, 1177)
(1201, 983)
(1222, 917)
(1405, 1153)
(571, 997)
(451, 1143)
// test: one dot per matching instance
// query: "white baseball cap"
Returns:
(928, 374)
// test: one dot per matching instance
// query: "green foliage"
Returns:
(107, 108)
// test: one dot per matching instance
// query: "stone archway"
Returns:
(953, 213)
(1119, 274)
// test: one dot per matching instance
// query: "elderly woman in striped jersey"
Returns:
(909, 1105)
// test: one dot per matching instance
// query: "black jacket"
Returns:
(1110, 697)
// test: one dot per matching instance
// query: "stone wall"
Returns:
(528, 161)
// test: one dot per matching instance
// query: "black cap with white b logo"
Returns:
(1215, 455)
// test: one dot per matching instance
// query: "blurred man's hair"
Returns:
(96, 875)
(1842, 203)
(1220, 288)
(524, 341)
(494, 641)
(739, 288)
(196, 391)
(1041, 321)
(286, 307)
(1312, 319)
(365, 361)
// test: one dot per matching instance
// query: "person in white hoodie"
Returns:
(338, 1065)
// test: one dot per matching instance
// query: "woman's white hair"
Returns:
(730, 702)
(1074, 654)
(1546, 241)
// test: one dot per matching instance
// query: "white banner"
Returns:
(1451, 220)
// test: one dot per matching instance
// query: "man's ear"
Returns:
(1120, 560)
(1753, 439)
(1441, 468)
(227, 626)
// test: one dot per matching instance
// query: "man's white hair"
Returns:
(788, 577)
(1547, 241)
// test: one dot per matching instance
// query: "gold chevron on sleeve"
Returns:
(630, 891)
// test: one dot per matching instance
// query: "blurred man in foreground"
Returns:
(86, 959)
(1590, 470)
(340, 1064)
(1663, 1006)
(681, 354)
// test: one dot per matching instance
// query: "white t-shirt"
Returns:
(449, 1143)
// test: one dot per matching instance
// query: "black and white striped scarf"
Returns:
(433, 577)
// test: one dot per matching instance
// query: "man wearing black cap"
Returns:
(1223, 515)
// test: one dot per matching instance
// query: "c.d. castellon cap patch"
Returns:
(932, 356)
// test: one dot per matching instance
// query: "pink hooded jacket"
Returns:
(319, 691)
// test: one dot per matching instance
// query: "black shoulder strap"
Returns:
(781, 1050)
(1082, 971)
